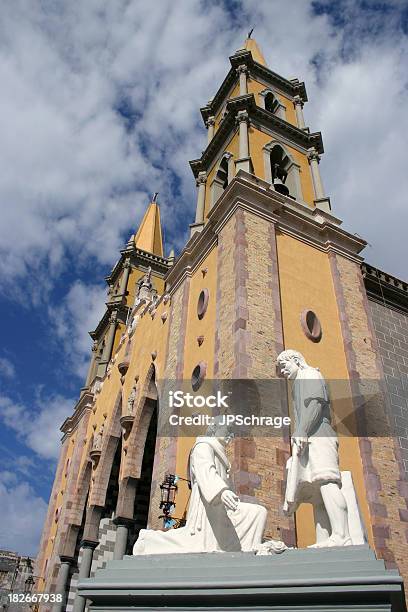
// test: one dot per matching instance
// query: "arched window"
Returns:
(222, 173)
(280, 163)
(271, 103)
(282, 170)
(221, 179)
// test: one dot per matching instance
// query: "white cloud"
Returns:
(22, 515)
(77, 315)
(73, 178)
(75, 173)
(7, 368)
(38, 427)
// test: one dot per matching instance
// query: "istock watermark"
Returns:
(264, 407)
(229, 420)
(179, 399)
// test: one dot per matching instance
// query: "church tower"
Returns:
(267, 267)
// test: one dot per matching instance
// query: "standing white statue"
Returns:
(217, 521)
(313, 473)
(97, 443)
(131, 401)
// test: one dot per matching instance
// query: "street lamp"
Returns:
(168, 490)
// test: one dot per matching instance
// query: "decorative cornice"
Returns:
(385, 289)
(114, 308)
(263, 118)
(244, 58)
(137, 256)
(92, 544)
(313, 226)
(84, 403)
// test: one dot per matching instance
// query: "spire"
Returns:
(149, 235)
(252, 46)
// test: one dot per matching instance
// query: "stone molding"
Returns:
(201, 179)
(271, 79)
(84, 403)
(384, 288)
(112, 307)
(137, 256)
(242, 69)
(88, 544)
(241, 116)
(312, 155)
(227, 127)
(312, 226)
(122, 520)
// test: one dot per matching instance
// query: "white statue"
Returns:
(146, 290)
(133, 324)
(313, 470)
(131, 401)
(217, 521)
(97, 443)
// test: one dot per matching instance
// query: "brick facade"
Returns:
(391, 330)
(385, 487)
(249, 338)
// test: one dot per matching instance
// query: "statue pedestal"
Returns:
(330, 579)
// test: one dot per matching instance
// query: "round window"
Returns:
(311, 325)
(198, 375)
(202, 303)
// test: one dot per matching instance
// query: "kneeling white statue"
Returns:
(217, 521)
(313, 473)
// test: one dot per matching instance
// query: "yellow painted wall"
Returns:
(258, 139)
(134, 276)
(150, 334)
(306, 283)
(207, 325)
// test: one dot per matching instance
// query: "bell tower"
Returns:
(255, 123)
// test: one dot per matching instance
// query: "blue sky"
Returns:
(100, 108)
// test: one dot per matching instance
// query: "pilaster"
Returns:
(244, 161)
(298, 102)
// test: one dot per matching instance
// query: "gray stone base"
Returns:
(331, 579)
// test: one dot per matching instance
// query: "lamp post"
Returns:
(168, 490)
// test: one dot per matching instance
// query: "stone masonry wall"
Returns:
(391, 330)
(385, 482)
(249, 338)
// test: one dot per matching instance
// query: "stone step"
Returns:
(335, 576)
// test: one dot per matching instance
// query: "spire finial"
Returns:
(154, 199)
(250, 33)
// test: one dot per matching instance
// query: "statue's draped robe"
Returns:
(209, 526)
(319, 463)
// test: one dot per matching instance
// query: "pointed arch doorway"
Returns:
(146, 438)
